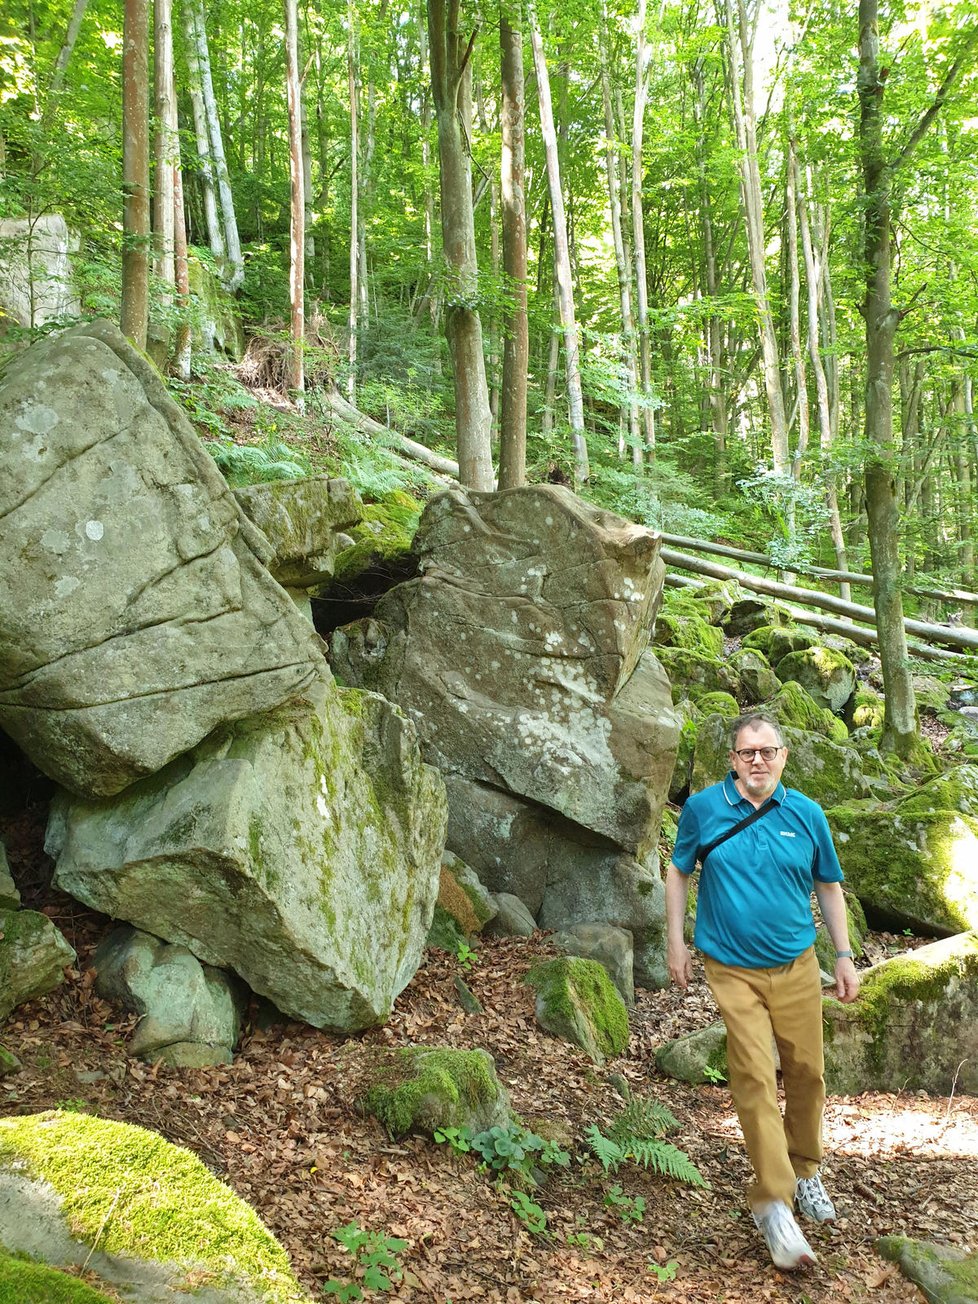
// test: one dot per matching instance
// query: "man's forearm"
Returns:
(677, 895)
(832, 904)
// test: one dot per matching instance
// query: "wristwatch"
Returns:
(843, 955)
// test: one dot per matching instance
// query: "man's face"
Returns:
(756, 777)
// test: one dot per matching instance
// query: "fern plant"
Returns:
(244, 464)
(636, 1136)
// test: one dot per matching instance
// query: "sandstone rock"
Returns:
(610, 946)
(577, 1002)
(521, 654)
(463, 907)
(828, 676)
(33, 957)
(135, 612)
(512, 919)
(913, 1026)
(946, 1274)
(177, 1235)
(189, 1011)
(35, 269)
(758, 681)
(698, 1057)
(421, 1089)
(300, 850)
(300, 519)
(9, 895)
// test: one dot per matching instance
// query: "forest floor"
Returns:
(282, 1126)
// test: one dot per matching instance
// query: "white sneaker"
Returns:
(787, 1246)
(812, 1199)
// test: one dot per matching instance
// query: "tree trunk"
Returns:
(740, 58)
(184, 337)
(794, 310)
(565, 289)
(353, 320)
(516, 336)
(134, 310)
(642, 58)
(166, 143)
(297, 242)
(215, 232)
(64, 54)
(451, 80)
(228, 220)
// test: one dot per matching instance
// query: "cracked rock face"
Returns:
(136, 614)
(521, 653)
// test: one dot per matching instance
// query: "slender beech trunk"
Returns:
(67, 46)
(134, 311)
(740, 59)
(183, 344)
(643, 56)
(229, 222)
(215, 231)
(516, 336)
(565, 290)
(297, 242)
(165, 145)
(629, 355)
(451, 81)
(794, 310)
(353, 320)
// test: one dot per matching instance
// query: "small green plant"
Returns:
(665, 1272)
(465, 955)
(73, 1105)
(515, 1149)
(459, 1138)
(375, 1262)
(714, 1075)
(635, 1136)
(629, 1208)
(529, 1213)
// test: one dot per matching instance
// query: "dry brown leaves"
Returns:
(282, 1126)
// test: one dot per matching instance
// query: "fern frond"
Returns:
(608, 1152)
(666, 1160)
(643, 1117)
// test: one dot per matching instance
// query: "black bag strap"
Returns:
(759, 813)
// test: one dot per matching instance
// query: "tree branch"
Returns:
(918, 133)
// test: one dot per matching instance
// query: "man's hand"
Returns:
(680, 963)
(846, 980)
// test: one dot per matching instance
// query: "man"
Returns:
(754, 925)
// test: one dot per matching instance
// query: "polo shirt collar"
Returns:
(734, 798)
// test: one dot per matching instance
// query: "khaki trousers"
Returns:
(785, 1002)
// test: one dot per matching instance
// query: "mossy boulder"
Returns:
(828, 676)
(9, 895)
(142, 1214)
(793, 706)
(692, 674)
(689, 715)
(856, 921)
(463, 908)
(698, 1057)
(914, 1024)
(957, 789)
(686, 630)
(946, 1274)
(577, 1002)
(382, 540)
(866, 709)
(301, 519)
(748, 613)
(758, 681)
(910, 868)
(931, 693)
(420, 1089)
(717, 598)
(777, 641)
(22, 1281)
(33, 957)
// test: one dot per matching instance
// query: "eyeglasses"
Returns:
(765, 753)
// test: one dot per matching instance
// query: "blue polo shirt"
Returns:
(753, 905)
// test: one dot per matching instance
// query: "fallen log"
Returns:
(345, 410)
(949, 636)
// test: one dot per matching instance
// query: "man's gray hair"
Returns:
(750, 721)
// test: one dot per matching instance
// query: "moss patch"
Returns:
(25, 1282)
(384, 535)
(144, 1197)
(570, 984)
(418, 1090)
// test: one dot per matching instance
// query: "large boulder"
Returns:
(35, 269)
(911, 865)
(141, 1216)
(577, 1002)
(521, 652)
(914, 1024)
(33, 957)
(301, 519)
(190, 1013)
(136, 614)
(9, 894)
(425, 1088)
(828, 676)
(300, 849)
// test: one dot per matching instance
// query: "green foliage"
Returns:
(375, 1266)
(714, 1075)
(635, 1136)
(243, 464)
(629, 1208)
(530, 1214)
(796, 510)
(516, 1149)
(664, 1272)
(465, 955)
(22, 1281)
